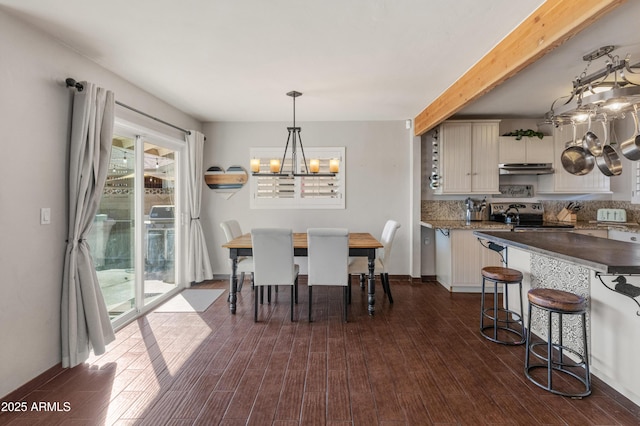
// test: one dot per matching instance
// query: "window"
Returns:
(301, 192)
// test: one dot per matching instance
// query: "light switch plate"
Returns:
(45, 216)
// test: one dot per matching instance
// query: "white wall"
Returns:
(378, 179)
(35, 113)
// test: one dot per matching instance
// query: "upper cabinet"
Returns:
(526, 150)
(563, 182)
(468, 157)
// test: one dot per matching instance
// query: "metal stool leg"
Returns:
(510, 318)
(562, 364)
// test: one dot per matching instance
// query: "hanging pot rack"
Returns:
(606, 94)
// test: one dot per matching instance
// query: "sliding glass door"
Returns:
(159, 209)
(136, 237)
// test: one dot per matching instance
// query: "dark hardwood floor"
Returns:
(420, 361)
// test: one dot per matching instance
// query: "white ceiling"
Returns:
(234, 60)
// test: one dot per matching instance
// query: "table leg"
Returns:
(372, 284)
(234, 284)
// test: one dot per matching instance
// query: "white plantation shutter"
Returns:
(303, 192)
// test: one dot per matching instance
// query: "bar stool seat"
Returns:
(503, 323)
(555, 362)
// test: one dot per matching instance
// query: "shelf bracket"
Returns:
(444, 232)
(622, 287)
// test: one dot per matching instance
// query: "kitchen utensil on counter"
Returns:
(474, 210)
(591, 142)
(576, 159)
(630, 148)
(609, 162)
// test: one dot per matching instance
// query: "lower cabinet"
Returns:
(459, 259)
(630, 237)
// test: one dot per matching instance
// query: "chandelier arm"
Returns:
(302, 150)
(286, 147)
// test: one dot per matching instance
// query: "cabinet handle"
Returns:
(633, 239)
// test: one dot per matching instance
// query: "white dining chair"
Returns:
(273, 262)
(232, 230)
(360, 265)
(328, 257)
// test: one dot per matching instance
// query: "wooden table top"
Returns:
(357, 240)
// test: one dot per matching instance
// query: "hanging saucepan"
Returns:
(631, 147)
(575, 158)
(609, 162)
(591, 141)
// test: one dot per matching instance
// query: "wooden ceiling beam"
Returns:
(553, 23)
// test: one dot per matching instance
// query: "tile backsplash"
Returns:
(455, 210)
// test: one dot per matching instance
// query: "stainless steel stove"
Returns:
(524, 216)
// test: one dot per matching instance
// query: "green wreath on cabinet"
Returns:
(520, 133)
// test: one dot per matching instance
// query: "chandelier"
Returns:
(605, 94)
(276, 165)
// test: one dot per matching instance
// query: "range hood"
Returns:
(525, 168)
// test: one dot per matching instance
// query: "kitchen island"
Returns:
(599, 254)
(588, 266)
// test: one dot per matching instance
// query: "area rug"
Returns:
(190, 300)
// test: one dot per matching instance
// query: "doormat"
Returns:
(190, 300)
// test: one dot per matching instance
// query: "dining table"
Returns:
(361, 244)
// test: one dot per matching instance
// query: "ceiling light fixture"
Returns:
(605, 93)
(276, 166)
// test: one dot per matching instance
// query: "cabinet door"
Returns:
(468, 257)
(539, 150)
(484, 158)
(455, 158)
(511, 150)
(525, 150)
(630, 237)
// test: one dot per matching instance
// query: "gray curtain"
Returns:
(199, 263)
(85, 322)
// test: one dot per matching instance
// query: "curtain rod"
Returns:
(73, 83)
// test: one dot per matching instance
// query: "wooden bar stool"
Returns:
(553, 359)
(504, 323)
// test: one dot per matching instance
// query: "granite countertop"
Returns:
(487, 224)
(599, 254)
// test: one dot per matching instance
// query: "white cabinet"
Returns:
(630, 237)
(525, 150)
(468, 157)
(459, 259)
(563, 182)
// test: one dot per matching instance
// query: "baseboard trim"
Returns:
(33, 384)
